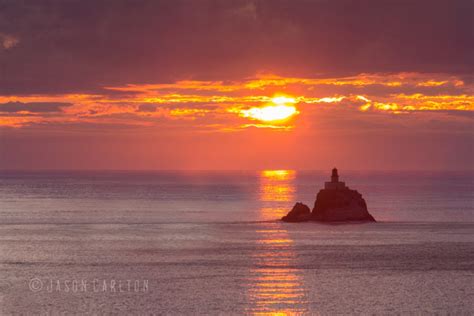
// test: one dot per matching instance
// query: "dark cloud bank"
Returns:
(33, 107)
(77, 45)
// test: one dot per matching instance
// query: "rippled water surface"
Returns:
(210, 243)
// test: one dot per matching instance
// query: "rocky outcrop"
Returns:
(340, 205)
(299, 213)
(335, 203)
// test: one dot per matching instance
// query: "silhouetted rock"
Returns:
(335, 203)
(340, 205)
(299, 213)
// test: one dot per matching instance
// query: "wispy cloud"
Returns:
(217, 103)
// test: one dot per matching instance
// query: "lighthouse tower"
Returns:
(335, 184)
(334, 176)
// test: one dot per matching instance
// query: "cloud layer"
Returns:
(220, 105)
(79, 46)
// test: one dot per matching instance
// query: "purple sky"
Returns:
(169, 84)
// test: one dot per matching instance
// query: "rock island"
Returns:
(335, 203)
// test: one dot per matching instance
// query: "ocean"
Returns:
(209, 242)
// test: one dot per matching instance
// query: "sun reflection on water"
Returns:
(275, 287)
(276, 186)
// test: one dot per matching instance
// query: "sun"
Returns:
(278, 111)
(283, 100)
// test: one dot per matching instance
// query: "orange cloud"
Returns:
(221, 104)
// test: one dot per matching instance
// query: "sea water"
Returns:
(197, 242)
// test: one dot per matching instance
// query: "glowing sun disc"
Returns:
(271, 112)
(282, 100)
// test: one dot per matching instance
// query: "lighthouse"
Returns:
(335, 184)
(334, 176)
(334, 203)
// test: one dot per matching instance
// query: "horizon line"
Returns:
(226, 170)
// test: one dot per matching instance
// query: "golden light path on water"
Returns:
(275, 287)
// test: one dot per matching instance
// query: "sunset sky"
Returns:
(362, 85)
